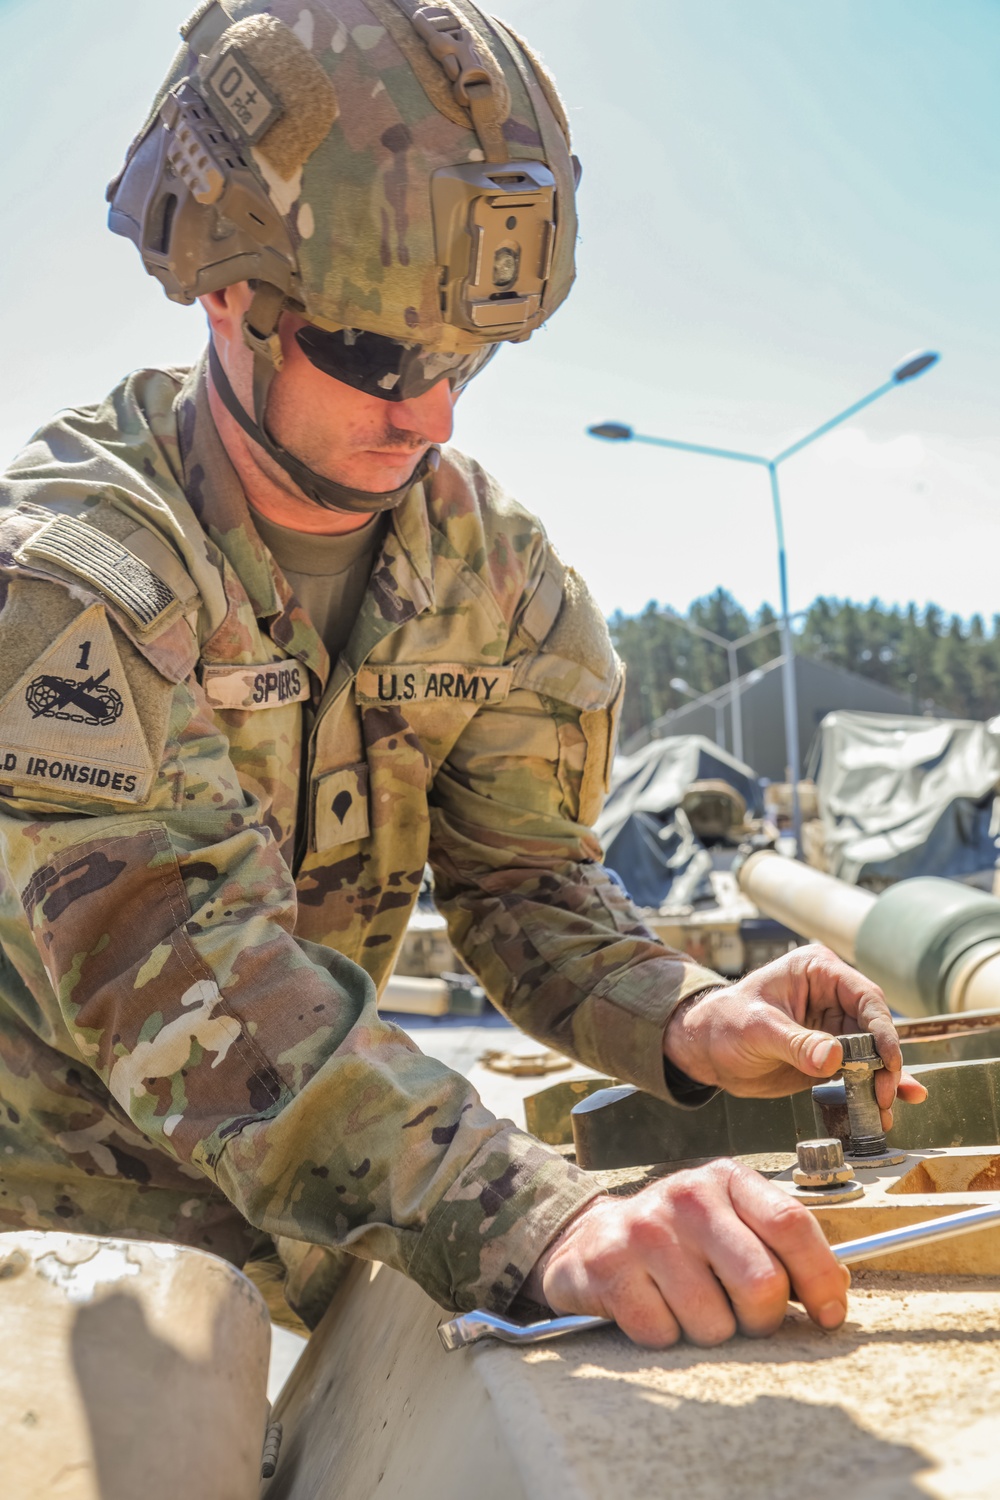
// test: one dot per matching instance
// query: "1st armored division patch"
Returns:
(70, 725)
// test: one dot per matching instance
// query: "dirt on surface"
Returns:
(622, 1181)
(902, 1403)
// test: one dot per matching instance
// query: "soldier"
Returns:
(267, 650)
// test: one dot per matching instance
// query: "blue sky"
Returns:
(780, 199)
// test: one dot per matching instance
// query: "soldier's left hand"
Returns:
(773, 1032)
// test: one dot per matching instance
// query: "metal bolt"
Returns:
(272, 1447)
(861, 1063)
(866, 1144)
(830, 1110)
(822, 1175)
(821, 1164)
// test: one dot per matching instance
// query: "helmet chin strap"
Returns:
(316, 487)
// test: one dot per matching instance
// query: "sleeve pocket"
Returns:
(600, 729)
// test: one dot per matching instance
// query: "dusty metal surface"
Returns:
(129, 1370)
(376, 1406)
(900, 1404)
(926, 1185)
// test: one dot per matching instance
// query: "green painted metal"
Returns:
(962, 1107)
(958, 1046)
(622, 1127)
(548, 1112)
(763, 1124)
(917, 937)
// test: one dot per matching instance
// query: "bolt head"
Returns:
(825, 1154)
(821, 1163)
(859, 1047)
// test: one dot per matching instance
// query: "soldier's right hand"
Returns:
(701, 1255)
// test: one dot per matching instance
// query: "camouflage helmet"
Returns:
(383, 165)
(386, 166)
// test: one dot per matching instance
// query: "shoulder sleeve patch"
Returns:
(70, 724)
(146, 600)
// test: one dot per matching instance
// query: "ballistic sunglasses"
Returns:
(385, 368)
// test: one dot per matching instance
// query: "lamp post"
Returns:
(680, 686)
(731, 649)
(617, 432)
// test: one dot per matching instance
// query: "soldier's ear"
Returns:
(226, 309)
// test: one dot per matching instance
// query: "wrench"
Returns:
(473, 1326)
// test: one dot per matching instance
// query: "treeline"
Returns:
(938, 663)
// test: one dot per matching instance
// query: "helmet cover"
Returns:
(387, 166)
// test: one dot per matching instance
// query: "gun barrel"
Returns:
(816, 905)
(933, 945)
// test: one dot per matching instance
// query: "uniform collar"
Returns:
(402, 581)
(214, 491)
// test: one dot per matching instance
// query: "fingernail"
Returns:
(829, 1052)
(832, 1314)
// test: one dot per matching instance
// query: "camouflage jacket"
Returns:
(212, 842)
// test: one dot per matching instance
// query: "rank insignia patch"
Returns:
(341, 808)
(70, 725)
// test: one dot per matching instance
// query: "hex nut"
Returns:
(823, 1154)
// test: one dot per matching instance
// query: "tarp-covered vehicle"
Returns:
(679, 811)
(902, 796)
(666, 808)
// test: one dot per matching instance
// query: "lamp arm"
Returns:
(844, 416)
(659, 442)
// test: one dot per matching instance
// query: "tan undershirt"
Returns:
(328, 573)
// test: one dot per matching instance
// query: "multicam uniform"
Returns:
(212, 842)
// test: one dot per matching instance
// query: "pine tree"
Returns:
(939, 667)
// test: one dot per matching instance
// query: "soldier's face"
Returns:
(344, 434)
(357, 439)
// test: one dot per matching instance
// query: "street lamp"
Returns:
(680, 686)
(618, 432)
(731, 648)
